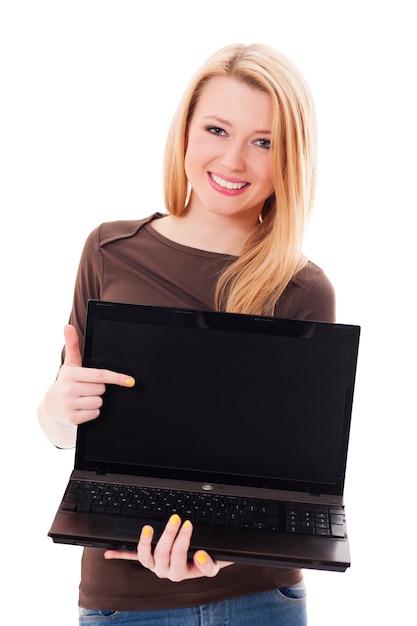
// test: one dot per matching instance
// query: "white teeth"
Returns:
(225, 184)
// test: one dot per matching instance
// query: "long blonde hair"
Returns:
(272, 252)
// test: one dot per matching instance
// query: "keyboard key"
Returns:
(315, 519)
(338, 530)
(205, 508)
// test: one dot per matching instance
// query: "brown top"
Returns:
(128, 261)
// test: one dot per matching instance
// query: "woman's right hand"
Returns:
(169, 559)
(76, 395)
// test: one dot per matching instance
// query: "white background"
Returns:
(87, 92)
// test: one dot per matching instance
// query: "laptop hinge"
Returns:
(102, 470)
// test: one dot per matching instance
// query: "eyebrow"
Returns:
(220, 120)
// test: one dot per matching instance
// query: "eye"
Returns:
(215, 130)
(263, 143)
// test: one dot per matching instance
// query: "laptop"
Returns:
(237, 422)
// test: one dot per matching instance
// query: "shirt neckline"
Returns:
(187, 249)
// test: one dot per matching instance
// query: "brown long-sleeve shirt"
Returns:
(128, 261)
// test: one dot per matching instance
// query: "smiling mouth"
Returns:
(227, 184)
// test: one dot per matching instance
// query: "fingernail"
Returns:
(201, 557)
(147, 531)
(174, 520)
(130, 382)
(187, 524)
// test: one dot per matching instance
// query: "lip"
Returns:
(225, 190)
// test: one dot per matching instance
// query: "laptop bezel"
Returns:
(146, 314)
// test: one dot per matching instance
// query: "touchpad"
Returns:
(131, 527)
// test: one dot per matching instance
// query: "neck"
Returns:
(219, 234)
(206, 230)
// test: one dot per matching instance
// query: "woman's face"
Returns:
(227, 160)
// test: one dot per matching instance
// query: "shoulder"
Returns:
(312, 277)
(310, 295)
(108, 232)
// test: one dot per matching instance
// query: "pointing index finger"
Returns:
(107, 377)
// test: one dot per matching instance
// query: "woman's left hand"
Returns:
(169, 559)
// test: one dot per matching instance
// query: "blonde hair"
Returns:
(272, 252)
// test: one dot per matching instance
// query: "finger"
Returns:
(73, 358)
(180, 567)
(93, 376)
(80, 417)
(162, 552)
(84, 395)
(144, 549)
(72, 346)
(102, 377)
(77, 373)
(120, 554)
(145, 540)
(205, 564)
(181, 545)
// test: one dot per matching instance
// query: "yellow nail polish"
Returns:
(201, 557)
(187, 524)
(174, 520)
(147, 531)
(130, 382)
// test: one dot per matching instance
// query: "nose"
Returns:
(233, 157)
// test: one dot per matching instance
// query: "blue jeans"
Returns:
(281, 607)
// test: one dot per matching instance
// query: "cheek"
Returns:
(199, 150)
(197, 155)
(265, 177)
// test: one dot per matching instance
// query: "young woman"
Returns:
(240, 170)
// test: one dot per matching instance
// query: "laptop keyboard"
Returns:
(205, 508)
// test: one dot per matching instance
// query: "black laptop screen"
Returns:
(242, 406)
